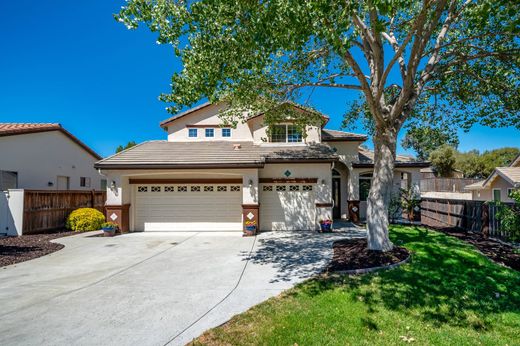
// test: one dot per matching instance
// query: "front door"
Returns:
(336, 196)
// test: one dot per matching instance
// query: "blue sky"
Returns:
(71, 62)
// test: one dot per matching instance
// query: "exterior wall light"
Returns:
(113, 185)
(250, 183)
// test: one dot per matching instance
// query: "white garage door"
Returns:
(188, 208)
(287, 207)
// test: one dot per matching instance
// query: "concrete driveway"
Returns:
(151, 288)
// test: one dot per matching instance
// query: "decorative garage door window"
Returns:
(221, 188)
(307, 187)
(169, 189)
(195, 189)
(208, 188)
(142, 189)
(281, 188)
(235, 188)
(182, 188)
(267, 188)
(294, 188)
(156, 189)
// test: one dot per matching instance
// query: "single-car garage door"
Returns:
(287, 207)
(179, 207)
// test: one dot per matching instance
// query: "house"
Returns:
(46, 157)
(210, 177)
(498, 186)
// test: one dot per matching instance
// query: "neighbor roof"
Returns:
(13, 129)
(213, 154)
(509, 174)
(340, 136)
(516, 162)
(366, 160)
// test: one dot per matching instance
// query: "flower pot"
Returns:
(326, 227)
(109, 232)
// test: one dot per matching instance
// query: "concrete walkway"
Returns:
(151, 288)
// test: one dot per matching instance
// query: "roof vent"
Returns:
(237, 146)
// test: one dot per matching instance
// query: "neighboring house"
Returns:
(46, 157)
(498, 186)
(209, 177)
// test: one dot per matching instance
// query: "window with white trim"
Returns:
(509, 192)
(210, 132)
(285, 134)
(226, 132)
(192, 133)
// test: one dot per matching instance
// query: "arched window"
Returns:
(335, 173)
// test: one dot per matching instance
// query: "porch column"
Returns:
(250, 202)
(117, 206)
(353, 196)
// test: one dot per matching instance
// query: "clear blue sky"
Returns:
(71, 62)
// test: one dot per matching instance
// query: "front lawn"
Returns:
(448, 295)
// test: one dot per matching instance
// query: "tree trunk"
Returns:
(381, 190)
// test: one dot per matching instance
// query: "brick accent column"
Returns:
(353, 211)
(250, 216)
(120, 215)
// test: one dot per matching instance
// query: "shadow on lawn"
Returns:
(447, 282)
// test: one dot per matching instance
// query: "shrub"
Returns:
(85, 219)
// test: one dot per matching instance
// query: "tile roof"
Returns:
(510, 174)
(20, 128)
(13, 129)
(366, 159)
(333, 135)
(207, 154)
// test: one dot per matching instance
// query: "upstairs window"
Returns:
(192, 133)
(226, 132)
(210, 133)
(285, 134)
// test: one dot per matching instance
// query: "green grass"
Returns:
(449, 294)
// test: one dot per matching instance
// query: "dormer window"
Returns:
(192, 133)
(285, 134)
(226, 132)
(210, 133)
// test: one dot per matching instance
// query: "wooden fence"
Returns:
(474, 216)
(446, 184)
(48, 210)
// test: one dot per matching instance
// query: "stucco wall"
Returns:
(39, 158)
(487, 194)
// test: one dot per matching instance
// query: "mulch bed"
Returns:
(26, 247)
(499, 252)
(351, 254)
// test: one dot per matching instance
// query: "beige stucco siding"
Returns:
(39, 158)
(487, 194)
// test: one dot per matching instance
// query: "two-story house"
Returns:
(208, 177)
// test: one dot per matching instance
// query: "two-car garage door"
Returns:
(183, 207)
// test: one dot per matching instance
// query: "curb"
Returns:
(373, 269)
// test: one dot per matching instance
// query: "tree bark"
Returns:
(381, 189)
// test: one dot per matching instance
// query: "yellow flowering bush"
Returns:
(85, 219)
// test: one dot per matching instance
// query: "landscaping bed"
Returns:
(26, 247)
(497, 251)
(353, 254)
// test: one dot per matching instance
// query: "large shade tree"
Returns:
(395, 53)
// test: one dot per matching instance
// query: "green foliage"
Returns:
(448, 294)
(424, 140)
(443, 160)
(85, 219)
(509, 216)
(476, 165)
(255, 54)
(128, 145)
(409, 201)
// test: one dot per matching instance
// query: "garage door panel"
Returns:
(287, 207)
(178, 208)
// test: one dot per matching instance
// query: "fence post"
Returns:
(484, 229)
(92, 199)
